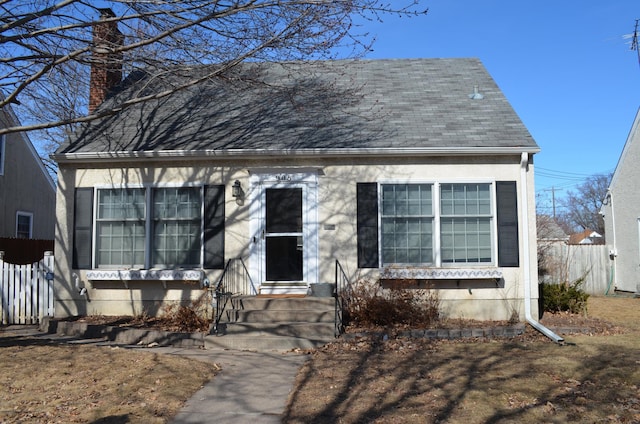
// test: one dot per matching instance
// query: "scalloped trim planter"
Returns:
(163, 275)
(441, 273)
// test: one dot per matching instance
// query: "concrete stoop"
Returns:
(275, 324)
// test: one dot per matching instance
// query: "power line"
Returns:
(553, 199)
(562, 179)
(538, 168)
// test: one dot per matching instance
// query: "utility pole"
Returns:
(553, 198)
(634, 41)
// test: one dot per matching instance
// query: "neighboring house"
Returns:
(27, 191)
(621, 213)
(548, 230)
(405, 170)
(552, 240)
(586, 237)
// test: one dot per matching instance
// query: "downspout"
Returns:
(524, 166)
(614, 249)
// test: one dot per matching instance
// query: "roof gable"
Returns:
(9, 118)
(627, 163)
(360, 105)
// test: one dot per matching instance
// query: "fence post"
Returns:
(49, 268)
(4, 291)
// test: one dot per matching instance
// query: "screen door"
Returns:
(283, 236)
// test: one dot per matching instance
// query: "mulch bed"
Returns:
(562, 323)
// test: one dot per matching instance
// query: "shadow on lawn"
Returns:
(113, 419)
(467, 382)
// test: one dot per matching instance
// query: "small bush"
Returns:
(564, 297)
(371, 305)
(187, 318)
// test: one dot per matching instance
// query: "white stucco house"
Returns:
(405, 170)
(621, 213)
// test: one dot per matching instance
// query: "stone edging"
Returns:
(454, 333)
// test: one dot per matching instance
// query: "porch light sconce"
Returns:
(237, 192)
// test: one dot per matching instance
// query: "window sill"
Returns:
(417, 273)
(163, 275)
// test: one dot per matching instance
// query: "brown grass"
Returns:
(594, 378)
(525, 380)
(54, 383)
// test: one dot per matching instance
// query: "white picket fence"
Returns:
(26, 291)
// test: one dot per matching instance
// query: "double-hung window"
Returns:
(149, 227)
(24, 225)
(120, 227)
(170, 232)
(407, 223)
(465, 223)
(176, 226)
(437, 224)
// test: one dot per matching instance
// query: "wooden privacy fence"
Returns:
(570, 262)
(26, 291)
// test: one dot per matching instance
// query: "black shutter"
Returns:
(214, 227)
(367, 225)
(82, 228)
(507, 206)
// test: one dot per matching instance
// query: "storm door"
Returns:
(283, 252)
(283, 236)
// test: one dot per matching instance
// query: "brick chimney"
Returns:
(106, 65)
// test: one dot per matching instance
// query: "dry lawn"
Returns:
(45, 382)
(529, 379)
(592, 379)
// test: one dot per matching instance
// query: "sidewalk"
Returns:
(251, 387)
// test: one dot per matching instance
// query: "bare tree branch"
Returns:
(582, 206)
(38, 36)
(47, 48)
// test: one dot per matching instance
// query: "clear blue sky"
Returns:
(564, 65)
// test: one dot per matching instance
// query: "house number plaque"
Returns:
(283, 177)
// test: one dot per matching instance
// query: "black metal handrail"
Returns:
(234, 281)
(342, 295)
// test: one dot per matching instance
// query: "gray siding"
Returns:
(25, 187)
(622, 215)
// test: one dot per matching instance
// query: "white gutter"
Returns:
(168, 155)
(524, 165)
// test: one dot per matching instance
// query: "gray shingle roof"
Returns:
(354, 104)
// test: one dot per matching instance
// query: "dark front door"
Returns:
(283, 234)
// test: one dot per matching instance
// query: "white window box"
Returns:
(127, 275)
(419, 273)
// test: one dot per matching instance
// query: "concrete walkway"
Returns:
(251, 387)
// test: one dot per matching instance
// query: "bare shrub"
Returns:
(188, 318)
(371, 305)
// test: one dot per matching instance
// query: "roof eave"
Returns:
(181, 155)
